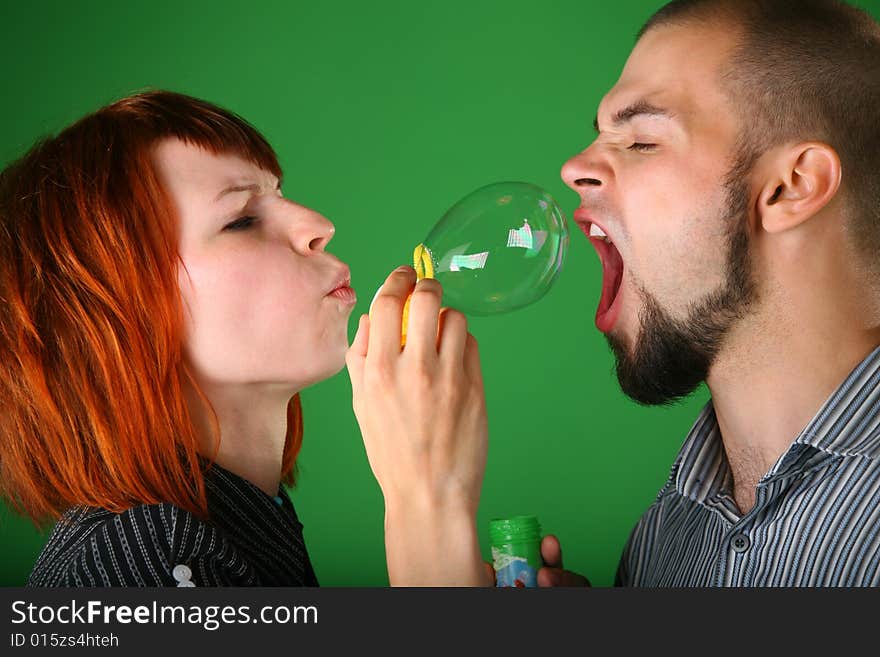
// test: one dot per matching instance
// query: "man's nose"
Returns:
(585, 170)
(310, 232)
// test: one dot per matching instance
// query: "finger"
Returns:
(549, 577)
(560, 577)
(490, 573)
(472, 360)
(361, 337)
(357, 352)
(386, 312)
(452, 338)
(424, 310)
(551, 551)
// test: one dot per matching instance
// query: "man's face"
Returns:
(662, 181)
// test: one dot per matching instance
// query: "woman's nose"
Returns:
(585, 170)
(311, 232)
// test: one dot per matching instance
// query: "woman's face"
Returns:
(255, 278)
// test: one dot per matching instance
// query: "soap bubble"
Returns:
(498, 249)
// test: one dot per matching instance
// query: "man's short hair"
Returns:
(805, 70)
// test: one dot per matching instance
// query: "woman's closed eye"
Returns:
(642, 147)
(240, 224)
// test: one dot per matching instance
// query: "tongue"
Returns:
(612, 270)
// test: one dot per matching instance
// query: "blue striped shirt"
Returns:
(816, 519)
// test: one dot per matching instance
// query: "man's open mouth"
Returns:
(612, 276)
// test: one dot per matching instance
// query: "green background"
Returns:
(383, 115)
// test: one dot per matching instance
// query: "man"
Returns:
(735, 176)
(733, 197)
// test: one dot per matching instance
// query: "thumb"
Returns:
(551, 551)
(357, 352)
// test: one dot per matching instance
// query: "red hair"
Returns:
(92, 374)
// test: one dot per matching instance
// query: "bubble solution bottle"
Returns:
(516, 551)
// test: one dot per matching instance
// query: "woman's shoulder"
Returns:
(145, 545)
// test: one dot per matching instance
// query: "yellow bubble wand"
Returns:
(424, 269)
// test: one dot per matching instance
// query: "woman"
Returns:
(163, 305)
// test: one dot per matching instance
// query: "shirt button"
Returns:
(740, 543)
(181, 573)
(278, 500)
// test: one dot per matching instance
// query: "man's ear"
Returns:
(800, 180)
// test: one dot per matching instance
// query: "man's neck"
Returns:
(771, 380)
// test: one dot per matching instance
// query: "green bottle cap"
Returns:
(518, 529)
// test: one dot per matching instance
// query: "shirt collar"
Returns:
(228, 482)
(701, 467)
(847, 424)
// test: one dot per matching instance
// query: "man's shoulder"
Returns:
(867, 446)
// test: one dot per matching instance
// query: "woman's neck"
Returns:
(253, 428)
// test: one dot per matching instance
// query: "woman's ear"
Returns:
(800, 181)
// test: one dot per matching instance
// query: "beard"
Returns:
(672, 357)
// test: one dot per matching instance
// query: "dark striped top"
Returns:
(252, 539)
(816, 519)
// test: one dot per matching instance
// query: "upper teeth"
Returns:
(595, 231)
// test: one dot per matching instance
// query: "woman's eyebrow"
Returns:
(249, 187)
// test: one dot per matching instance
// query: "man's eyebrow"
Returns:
(250, 187)
(638, 108)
